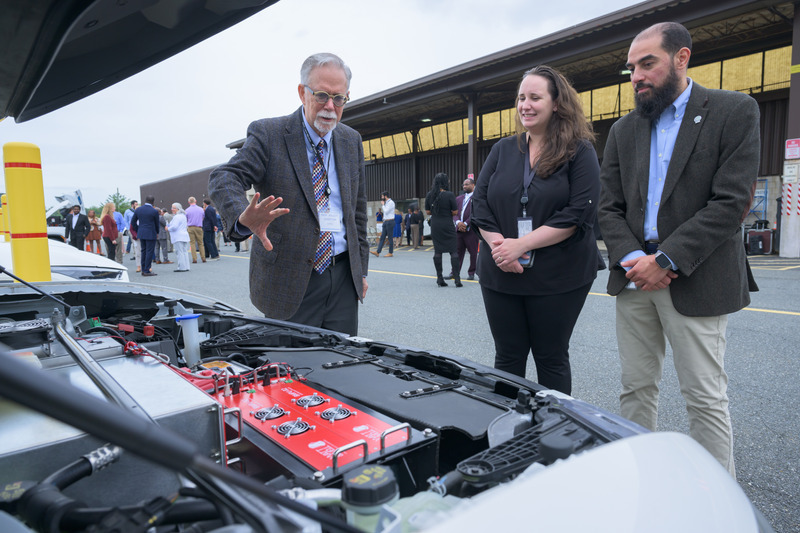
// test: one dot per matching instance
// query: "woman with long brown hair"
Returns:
(110, 232)
(535, 204)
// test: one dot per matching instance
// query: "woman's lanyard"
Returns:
(527, 178)
(325, 166)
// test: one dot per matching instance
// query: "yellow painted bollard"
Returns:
(25, 211)
(3, 215)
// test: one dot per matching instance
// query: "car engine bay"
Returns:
(367, 436)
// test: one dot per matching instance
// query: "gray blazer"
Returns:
(707, 189)
(273, 160)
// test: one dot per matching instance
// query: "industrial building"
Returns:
(448, 121)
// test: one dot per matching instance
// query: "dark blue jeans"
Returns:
(387, 230)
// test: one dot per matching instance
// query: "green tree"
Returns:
(119, 200)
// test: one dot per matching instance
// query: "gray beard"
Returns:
(323, 128)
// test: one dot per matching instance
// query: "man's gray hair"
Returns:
(320, 60)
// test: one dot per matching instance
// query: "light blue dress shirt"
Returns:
(329, 162)
(663, 134)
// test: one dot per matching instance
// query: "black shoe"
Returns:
(471, 278)
(149, 274)
(458, 283)
(449, 276)
(180, 270)
(441, 283)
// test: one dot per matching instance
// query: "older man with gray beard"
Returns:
(309, 214)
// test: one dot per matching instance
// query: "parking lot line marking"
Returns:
(774, 311)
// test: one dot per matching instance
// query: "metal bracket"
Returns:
(434, 389)
(352, 362)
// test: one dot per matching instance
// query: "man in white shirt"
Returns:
(388, 224)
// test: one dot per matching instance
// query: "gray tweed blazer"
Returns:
(273, 160)
(708, 186)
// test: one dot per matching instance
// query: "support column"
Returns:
(790, 218)
(472, 139)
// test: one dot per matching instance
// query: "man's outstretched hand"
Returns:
(259, 215)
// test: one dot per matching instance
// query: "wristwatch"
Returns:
(663, 261)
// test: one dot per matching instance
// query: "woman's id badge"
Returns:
(525, 226)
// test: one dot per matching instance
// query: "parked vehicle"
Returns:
(128, 407)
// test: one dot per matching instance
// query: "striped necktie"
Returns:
(322, 259)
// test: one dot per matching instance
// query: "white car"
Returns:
(68, 264)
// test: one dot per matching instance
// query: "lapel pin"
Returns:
(697, 119)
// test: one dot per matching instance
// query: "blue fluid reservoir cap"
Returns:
(187, 317)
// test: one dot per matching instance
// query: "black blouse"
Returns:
(566, 198)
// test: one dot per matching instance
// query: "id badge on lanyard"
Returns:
(525, 223)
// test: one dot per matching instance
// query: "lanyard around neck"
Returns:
(326, 164)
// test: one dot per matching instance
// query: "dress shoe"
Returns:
(166, 262)
(375, 254)
(194, 260)
(179, 270)
(458, 283)
(389, 255)
(157, 262)
(449, 276)
(471, 278)
(149, 274)
(440, 282)
(204, 260)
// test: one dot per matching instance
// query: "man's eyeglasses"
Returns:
(322, 97)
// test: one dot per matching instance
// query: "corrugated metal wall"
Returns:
(393, 175)
(774, 132)
(398, 176)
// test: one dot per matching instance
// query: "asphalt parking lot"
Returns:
(405, 306)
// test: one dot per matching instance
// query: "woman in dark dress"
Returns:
(535, 202)
(440, 204)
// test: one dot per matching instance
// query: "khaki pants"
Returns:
(645, 322)
(196, 241)
(415, 235)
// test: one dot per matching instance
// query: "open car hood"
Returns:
(56, 52)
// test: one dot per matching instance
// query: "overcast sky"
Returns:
(177, 116)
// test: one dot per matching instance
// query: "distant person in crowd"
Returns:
(122, 230)
(466, 236)
(407, 226)
(194, 217)
(243, 246)
(162, 244)
(417, 221)
(210, 230)
(110, 232)
(128, 217)
(220, 235)
(95, 234)
(398, 229)
(77, 228)
(534, 204)
(145, 223)
(387, 228)
(677, 179)
(440, 204)
(168, 219)
(309, 266)
(421, 226)
(179, 234)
